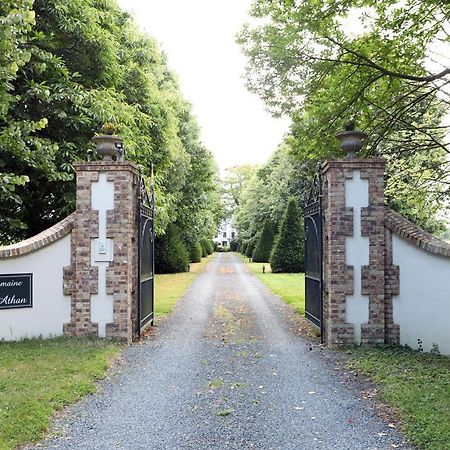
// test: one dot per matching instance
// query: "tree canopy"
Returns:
(66, 69)
(265, 195)
(380, 63)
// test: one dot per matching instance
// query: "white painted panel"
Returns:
(51, 308)
(102, 199)
(357, 253)
(102, 304)
(423, 307)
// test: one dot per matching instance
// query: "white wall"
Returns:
(423, 307)
(51, 308)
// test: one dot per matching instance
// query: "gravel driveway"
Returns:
(225, 371)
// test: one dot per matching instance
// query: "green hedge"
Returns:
(234, 244)
(207, 247)
(171, 254)
(195, 252)
(289, 251)
(250, 248)
(265, 244)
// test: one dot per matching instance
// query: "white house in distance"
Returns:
(226, 233)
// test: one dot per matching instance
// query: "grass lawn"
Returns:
(170, 287)
(417, 385)
(38, 377)
(288, 286)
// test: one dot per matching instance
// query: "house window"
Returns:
(224, 243)
(232, 234)
(225, 234)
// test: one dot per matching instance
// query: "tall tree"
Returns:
(80, 64)
(307, 60)
(233, 183)
(16, 21)
(289, 250)
(264, 245)
(266, 194)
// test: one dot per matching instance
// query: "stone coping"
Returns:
(105, 166)
(353, 164)
(413, 233)
(39, 241)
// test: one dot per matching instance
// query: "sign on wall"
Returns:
(16, 290)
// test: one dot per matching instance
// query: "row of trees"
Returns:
(383, 64)
(66, 68)
(266, 204)
(285, 251)
(173, 254)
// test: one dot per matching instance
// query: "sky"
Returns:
(198, 37)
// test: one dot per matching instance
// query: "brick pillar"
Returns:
(354, 251)
(102, 277)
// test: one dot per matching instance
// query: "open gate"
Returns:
(146, 255)
(313, 254)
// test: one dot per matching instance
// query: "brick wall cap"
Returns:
(353, 164)
(106, 166)
(413, 233)
(41, 240)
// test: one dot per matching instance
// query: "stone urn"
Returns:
(107, 145)
(352, 142)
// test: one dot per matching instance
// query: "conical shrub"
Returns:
(205, 248)
(250, 248)
(289, 250)
(265, 244)
(171, 255)
(195, 252)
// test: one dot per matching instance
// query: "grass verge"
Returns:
(288, 286)
(417, 385)
(39, 377)
(170, 287)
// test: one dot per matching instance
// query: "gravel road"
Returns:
(226, 371)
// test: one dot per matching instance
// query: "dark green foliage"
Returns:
(171, 255)
(207, 247)
(234, 245)
(79, 64)
(265, 244)
(211, 247)
(355, 77)
(204, 249)
(195, 252)
(243, 249)
(250, 247)
(289, 250)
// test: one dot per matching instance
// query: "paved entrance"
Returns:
(224, 372)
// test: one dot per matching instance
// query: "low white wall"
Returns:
(423, 307)
(51, 308)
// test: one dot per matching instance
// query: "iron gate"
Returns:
(146, 267)
(313, 254)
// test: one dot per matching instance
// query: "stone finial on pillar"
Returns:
(352, 142)
(353, 246)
